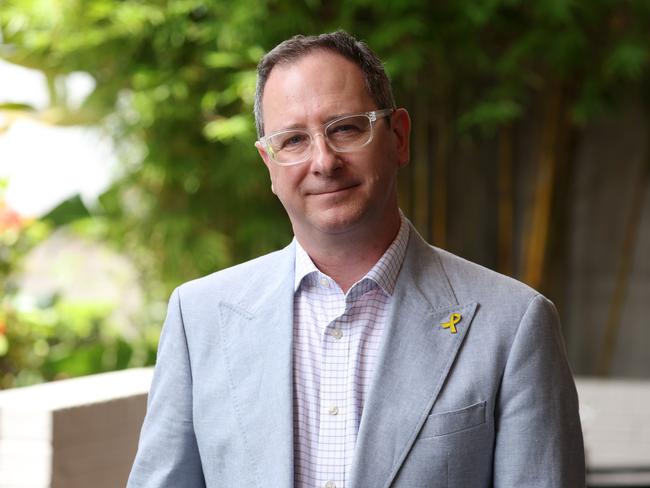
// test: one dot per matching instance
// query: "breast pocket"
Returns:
(444, 423)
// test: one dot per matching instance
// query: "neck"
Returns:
(347, 257)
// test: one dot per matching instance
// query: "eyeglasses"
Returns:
(343, 134)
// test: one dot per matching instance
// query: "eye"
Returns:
(293, 140)
(290, 141)
(349, 128)
(345, 127)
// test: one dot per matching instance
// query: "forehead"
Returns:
(312, 89)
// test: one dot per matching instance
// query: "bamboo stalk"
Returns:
(536, 242)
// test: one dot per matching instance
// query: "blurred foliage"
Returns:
(62, 339)
(175, 83)
(51, 337)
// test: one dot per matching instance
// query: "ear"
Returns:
(401, 127)
(267, 162)
(264, 155)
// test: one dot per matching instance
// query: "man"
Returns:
(358, 356)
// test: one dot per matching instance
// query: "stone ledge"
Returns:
(84, 431)
(72, 433)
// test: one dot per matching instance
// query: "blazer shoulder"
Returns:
(472, 281)
(504, 304)
(235, 281)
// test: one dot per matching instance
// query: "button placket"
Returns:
(332, 395)
(362, 316)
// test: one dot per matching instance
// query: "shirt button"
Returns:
(324, 282)
(337, 334)
(330, 484)
(333, 410)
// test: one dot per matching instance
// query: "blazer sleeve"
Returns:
(538, 434)
(167, 452)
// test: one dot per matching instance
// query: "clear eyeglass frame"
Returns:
(372, 116)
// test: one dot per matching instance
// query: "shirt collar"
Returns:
(384, 272)
(304, 265)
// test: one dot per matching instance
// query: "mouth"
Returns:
(333, 191)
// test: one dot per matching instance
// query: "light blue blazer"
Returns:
(493, 404)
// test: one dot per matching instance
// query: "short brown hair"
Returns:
(339, 42)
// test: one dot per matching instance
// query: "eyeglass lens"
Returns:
(343, 135)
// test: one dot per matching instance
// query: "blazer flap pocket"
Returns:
(443, 423)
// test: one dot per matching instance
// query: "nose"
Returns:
(324, 160)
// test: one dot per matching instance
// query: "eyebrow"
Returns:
(302, 127)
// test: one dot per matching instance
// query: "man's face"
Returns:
(332, 193)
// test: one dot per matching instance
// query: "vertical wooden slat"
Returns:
(505, 211)
(442, 131)
(626, 261)
(440, 180)
(421, 163)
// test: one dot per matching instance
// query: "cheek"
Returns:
(286, 182)
(383, 170)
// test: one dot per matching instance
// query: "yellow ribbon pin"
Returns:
(454, 318)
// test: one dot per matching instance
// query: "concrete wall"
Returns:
(76, 433)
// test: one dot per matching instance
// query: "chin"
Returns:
(339, 221)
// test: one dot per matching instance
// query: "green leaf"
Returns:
(489, 114)
(222, 60)
(225, 129)
(17, 106)
(628, 61)
(68, 211)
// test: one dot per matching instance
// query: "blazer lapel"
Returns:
(257, 344)
(415, 357)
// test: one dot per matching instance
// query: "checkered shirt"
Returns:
(335, 345)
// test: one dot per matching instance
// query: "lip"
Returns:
(333, 191)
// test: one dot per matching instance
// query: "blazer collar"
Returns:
(256, 328)
(415, 357)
